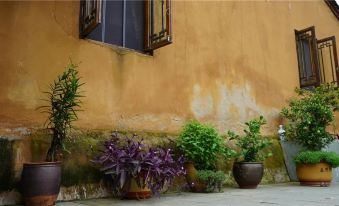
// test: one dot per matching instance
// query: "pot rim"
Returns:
(297, 164)
(248, 163)
(35, 164)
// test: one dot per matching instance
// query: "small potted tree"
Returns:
(202, 146)
(248, 168)
(137, 170)
(41, 181)
(309, 116)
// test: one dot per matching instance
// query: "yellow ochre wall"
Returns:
(229, 62)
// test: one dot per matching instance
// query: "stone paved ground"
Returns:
(290, 194)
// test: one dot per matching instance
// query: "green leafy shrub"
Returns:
(310, 114)
(213, 180)
(251, 145)
(330, 93)
(64, 103)
(201, 144)
(314, 157)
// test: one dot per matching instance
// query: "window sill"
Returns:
(118, 49)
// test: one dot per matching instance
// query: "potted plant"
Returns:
(137, 170)
(314, 167)
(248, 168)
(41, 181)
(201, 146)
(309, 116)
(213, 180)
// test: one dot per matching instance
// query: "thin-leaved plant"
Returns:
(64, 103)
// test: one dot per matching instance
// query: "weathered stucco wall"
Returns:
(230, 61)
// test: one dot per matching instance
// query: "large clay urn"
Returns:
(40, 183)
(248, 174)
(314, 174)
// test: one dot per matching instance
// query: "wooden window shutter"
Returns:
(328, 60)
(306, 44)
(90, 16)
(158, 28)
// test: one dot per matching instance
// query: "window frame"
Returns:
(333, 58)
(84, 31)
(149, 45)
(314, 55)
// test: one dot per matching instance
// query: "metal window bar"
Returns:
(321, 65)
(124, 24)
(152, 18)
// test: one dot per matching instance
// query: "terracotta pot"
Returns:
(314, 174)
(248, 174)
(40, 183)
(135, 192)
(192, 179)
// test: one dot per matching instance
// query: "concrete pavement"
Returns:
(290, 194)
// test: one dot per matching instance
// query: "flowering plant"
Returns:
(127, 158)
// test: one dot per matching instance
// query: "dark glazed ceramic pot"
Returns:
(40, 183)
(248, 174)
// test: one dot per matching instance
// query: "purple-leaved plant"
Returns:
(127, 158)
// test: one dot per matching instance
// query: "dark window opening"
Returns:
(307, 57)
(127, 23)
